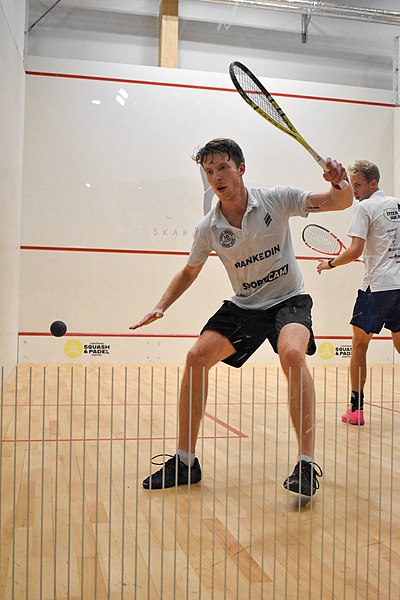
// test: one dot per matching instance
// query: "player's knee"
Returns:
(360, 345)
(197, 358)
(292, 358)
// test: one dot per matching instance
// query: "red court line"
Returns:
(226, 426)
(166, 335)
(114, 439)
(348, 337)
(229, 429)
(270, 402)
(211, 417)
(238, 434)
(107, 250)
(340, 100)
(127, 251)
(112, 335)
(130, 81)
(201, 87)
(386, 408)
(103, 250)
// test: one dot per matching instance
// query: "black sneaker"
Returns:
(304, 480)
(174, 472)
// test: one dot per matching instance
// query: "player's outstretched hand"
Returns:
(156, 313)
(335, 171)
(323, 265)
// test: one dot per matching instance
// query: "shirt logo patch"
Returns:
(227, 238)
(392, 214)
(271, 276)
(267, 219)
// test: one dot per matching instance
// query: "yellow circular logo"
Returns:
(73, 348)
(326, 350)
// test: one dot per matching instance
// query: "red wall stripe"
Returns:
(127, 251)
(82, 334)
(102, 250)
(200, 87)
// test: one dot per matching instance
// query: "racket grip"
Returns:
(343, 185)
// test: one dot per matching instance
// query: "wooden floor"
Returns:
(76, 523)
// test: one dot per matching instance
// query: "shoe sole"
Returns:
(304, 496)
(149, 487)
(299, 493)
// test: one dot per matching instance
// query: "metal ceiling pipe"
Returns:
(321, 9)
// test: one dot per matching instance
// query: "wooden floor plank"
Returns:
(76, 523)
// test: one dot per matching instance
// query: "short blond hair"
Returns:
(366, 168)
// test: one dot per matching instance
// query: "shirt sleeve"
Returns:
(294, 199)
(200, 250)
(359, 223)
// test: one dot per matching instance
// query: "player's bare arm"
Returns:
(179, 284)
(353, 252)
(334, 199)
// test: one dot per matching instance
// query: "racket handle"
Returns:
(343, 185)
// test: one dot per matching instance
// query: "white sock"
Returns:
(305, 458)
(186, 457)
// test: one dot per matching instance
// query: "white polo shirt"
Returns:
(377, 221)
(258, 257)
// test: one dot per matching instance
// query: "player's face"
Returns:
(362, 188)
(224, 177)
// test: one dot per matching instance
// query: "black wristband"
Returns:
(330, 263)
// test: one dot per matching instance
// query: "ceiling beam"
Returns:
(168, 34)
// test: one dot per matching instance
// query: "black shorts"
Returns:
(374, 310)
(247, 329)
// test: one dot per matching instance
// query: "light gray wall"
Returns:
(338, 50)
(12, 94)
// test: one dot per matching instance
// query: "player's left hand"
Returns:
(335, 171)
(323, 265)
(153, 315)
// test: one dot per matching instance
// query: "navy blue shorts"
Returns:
(247, 329)
(374, 310)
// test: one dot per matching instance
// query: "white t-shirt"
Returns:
(377, 221)
(259, 257)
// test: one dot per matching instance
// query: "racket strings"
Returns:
(321, 240)
(258, 97)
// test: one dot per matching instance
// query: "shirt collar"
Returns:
(378, 192)
(219, 219)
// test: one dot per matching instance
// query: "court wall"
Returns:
(12, 91)
(111, 197)
(396, 154)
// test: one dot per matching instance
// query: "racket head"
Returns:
(322, 240)
(258, 97)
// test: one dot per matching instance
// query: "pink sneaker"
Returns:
(355, 417)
